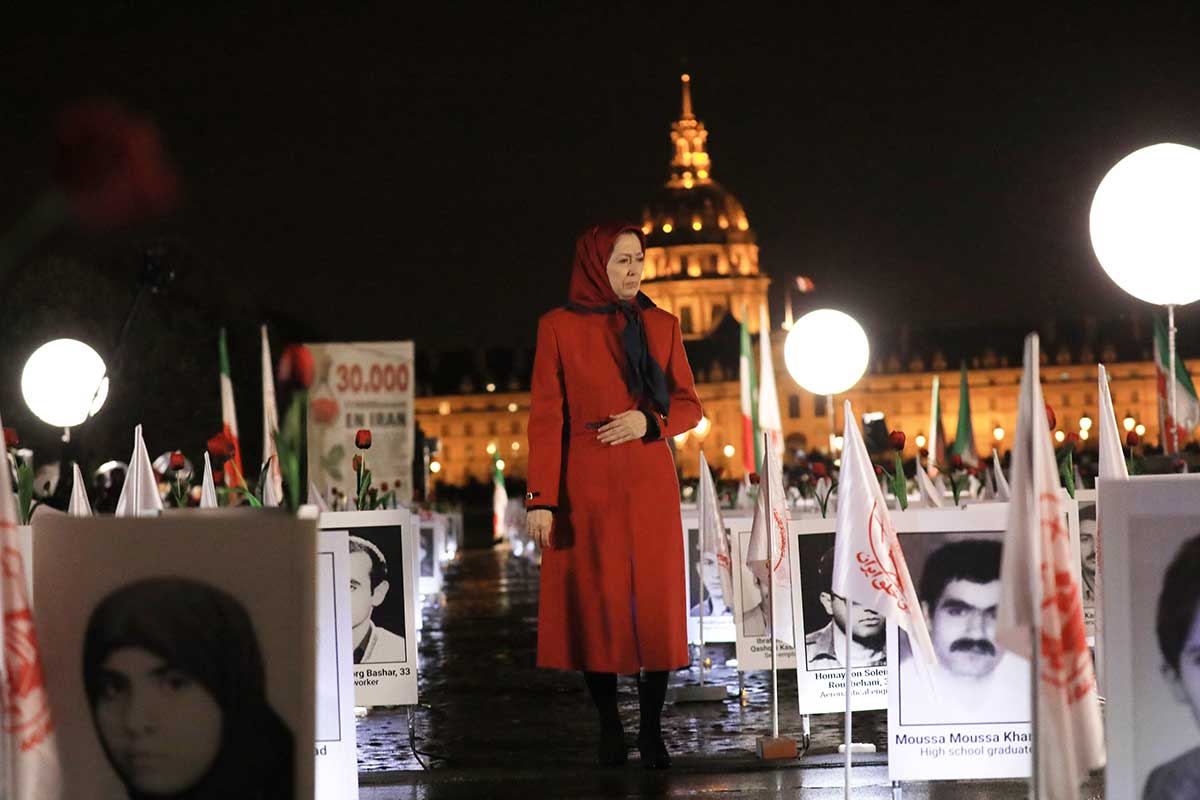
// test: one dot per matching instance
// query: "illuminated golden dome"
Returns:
(692, 208)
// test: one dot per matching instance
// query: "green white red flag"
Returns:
(228, 411)
(770, 422)
(751, 441)
(499, 499)
(937, 433)
(1186, 401)
(1041, 602)
(964, 437)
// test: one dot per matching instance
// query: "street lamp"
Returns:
(1144, 232)
(64, 383)
(826, 352)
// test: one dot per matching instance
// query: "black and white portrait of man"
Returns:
(370, 587)
(825, 647)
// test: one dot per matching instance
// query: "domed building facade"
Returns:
(701, 255)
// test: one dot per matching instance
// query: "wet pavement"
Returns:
(491, 725)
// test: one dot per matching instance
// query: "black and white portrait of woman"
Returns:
(176, 684)
(1177, 626)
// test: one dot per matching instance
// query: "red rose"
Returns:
(754, 479)
(1132, 439)
(1051, 420)
(111, 166)
(221, 446)
(296, 367)
(362, 439)
(356, 463)
(177, 461)
(956, 461)
(819, 470)
(10, 437)
(323, 410)
(383, 487)
(896, 440)
(1071, 439)
(878, 471)
(924, 452)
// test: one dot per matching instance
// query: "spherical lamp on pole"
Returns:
(64, 383)
(1144, 232)
(826, 352)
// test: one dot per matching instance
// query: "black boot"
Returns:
(652, 692)
(603, 688)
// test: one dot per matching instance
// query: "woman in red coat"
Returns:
(611, 383)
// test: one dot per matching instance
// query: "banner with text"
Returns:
(365, 385)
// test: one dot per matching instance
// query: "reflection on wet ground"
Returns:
(492, 725)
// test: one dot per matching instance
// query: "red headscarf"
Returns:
(590, 291)
(589, 285)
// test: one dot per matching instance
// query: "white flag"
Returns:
(931, 493)
(1039, 581)
(139, 494)
(768, 550)
(270, 427)
(31, 767)
(208, 489)
(769, 420)
(269, 498)
(714, 541)
(316, 499)
(1112, 457)
(80, 506)
(868, 565)
(1002, 490)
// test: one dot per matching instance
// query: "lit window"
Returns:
(444, 407)
(697, 225)
(668, 227)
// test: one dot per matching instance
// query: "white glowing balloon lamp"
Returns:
(1145, 224)
(63, 383)
(826, 351)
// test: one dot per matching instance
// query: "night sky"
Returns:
(391, 171)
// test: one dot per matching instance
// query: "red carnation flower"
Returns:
(356, 463)
(362, 439)
(323, 410)
(956, 461)
(111, 166)
(754, 479)
(177, 461)
(819, 470)
(896, 440)
(296, 367)
(1051, 419)
(10, 437)
(221, 446)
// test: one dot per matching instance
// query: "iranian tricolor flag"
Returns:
(228, 412)
(1186, 402)
(937, 433)
(964, 437)
(751, 441)
(770, 421)
(499, 499)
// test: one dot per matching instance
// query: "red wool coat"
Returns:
(612, 586)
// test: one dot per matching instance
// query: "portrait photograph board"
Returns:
(335, 749)
(382, 639)
(820, 621)
(430, 544)
(1089, 557)
(703, 580)
(179, 651)
(753, 645)
(969, 716)
(1151, 627)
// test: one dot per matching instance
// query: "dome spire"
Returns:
(690, 165)
(686, 81)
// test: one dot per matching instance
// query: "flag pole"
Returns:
(771, 592)
(849, 737)
(700, 574)
(1174, 421)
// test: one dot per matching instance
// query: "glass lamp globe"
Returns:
(826, 351)
(1144, 224)
(63, 383)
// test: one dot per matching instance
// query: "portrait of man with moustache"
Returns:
(976, 680)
